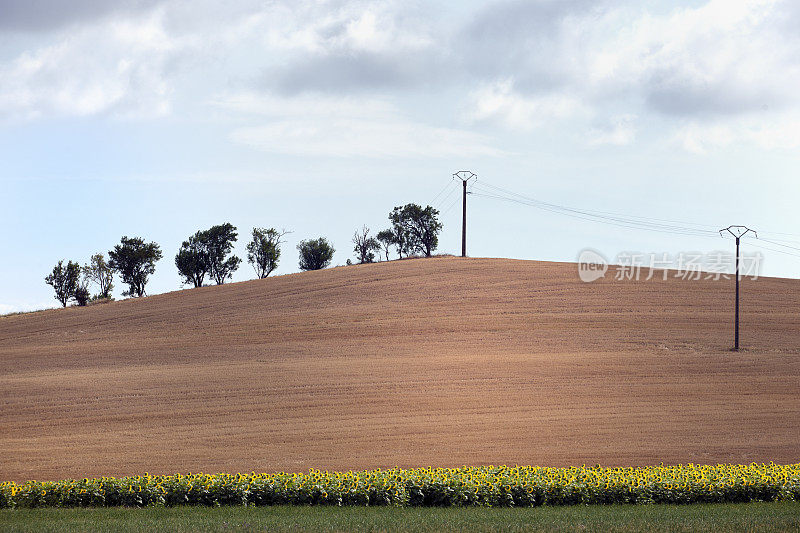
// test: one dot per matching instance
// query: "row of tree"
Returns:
(208, 254)
(132, 259)
(414, 231)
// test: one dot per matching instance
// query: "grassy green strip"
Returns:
(488, 486)
(752, 517)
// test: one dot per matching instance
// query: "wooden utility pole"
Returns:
(464, 176)
(738, 232)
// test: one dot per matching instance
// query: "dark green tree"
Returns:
(365, 246)
(99, 273)
(417, 228)
(192, 260)
(315, 253)
(82, 295)
(134, 260)
(264, 250)
(64, 280)
(219, 243)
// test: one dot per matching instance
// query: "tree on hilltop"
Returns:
(315, 254)
(417, 228)
(81, 294)
(219, 243)
(134, 260)
(397, 237)
(264, 250)
(99, 273)
(365, 246)
(206, 253)
(386, 239)
(192, 260)
(64, 280)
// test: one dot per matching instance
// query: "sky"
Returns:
(158, 118)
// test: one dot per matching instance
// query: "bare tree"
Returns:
(365, 246)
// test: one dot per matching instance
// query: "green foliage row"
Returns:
(415, 230)
(208, 253)
(503, 486)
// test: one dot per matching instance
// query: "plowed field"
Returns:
(443, 361)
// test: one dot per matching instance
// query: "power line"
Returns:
(600, 212)
(793, 241)
(773, 249)
(595, 217)
(781, 233)
(446, 197)
(660, 225)
(779, 244)
(600, 216)
(433, 202)
(450, 207)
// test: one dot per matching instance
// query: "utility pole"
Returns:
(464, 176)
(738, 232)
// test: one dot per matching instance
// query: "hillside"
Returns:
(443, 361)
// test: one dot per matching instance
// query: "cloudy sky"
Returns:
(157, 118)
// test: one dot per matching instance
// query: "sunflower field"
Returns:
(506, 486)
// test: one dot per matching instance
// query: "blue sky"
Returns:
(157, 118)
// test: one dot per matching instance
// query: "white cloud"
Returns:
(379, 28)
(346, 127)
(725, 57)
(767, 131)
(620, 132)
(573, 64)
(499, 102)
(132, 62)
(118, 67)
(43, 15)
(327, 28)
(345, 47)
(689, 67)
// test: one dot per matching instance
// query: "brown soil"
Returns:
(443, 361)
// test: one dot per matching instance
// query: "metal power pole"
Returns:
(464, 176)
(738, 232)
(464, 221)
